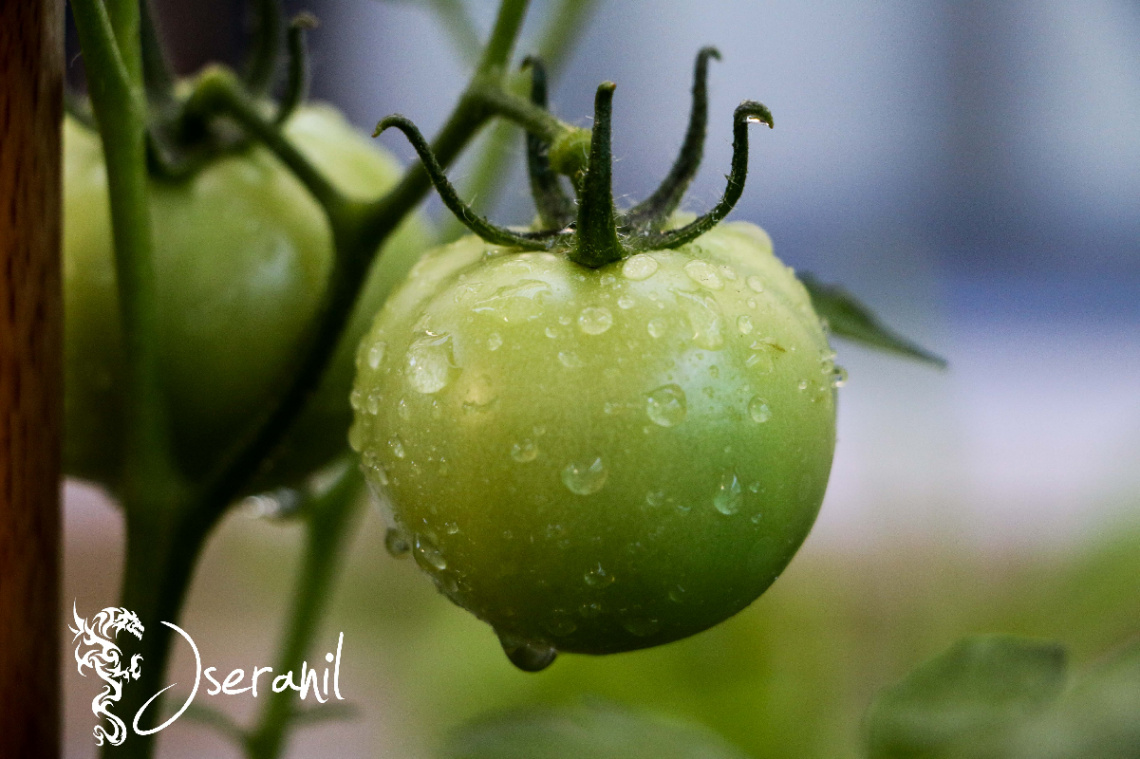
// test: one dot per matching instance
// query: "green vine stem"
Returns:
(328, 521)
(109, 33)
(490, 167)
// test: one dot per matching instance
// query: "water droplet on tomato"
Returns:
(759, 410)
(599, 577)
(376, 354)
(638, 267)
(705, 318)
(494, 341)
(396, 542)
(744, 324)
(590, 610)
(625, 302)
(569, 360)
(656, 327)
(666, 406)
(524, 451)
(397, 447)
(594, 320)
(428, 555)
(527, 656)
(839, 377)
(641, 626)
(728, 494)
(560, 623)
(704, 274)
(584, 477)
(755, 284)
(430, 365)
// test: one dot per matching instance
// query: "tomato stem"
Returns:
(328, 519)
(109, 34)
(157, 76)
(598, 242)
(655, 210)
(297, 85)
(555, 207)
(265, 52)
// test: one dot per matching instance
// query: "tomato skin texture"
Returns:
(599, 460)
(242, 253)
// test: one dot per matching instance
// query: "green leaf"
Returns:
(968, 702)
(850, 319)
(590, 731)
(1099, 717)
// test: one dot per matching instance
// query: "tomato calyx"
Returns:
(591, 230)
(182, 136)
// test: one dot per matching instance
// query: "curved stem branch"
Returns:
(473, 221)
(747, 112)
(555, 207)
(219, 92)
(297, 86)
(261, 67)
(654, 211)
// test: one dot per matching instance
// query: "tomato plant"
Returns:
(243, 253)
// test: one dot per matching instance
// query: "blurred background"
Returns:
(971, 170)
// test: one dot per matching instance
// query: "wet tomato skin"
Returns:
(242, 254)
(599, 460)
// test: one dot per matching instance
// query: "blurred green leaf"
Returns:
(850, 319)
(968, 701)
(592, 731)
(1099, 717)
(211, 717)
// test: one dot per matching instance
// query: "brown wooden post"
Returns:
(31, 75)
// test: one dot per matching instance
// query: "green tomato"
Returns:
(242, 254)
(598, 460)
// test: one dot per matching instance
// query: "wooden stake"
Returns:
(31, 75)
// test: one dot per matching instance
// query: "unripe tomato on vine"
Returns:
(243, 253)
(609, 434)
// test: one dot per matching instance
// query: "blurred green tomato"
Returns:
(242, 254)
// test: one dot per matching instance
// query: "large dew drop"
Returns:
(524, 451)
(376, 354)
(429, 364)
(527, 656)
(638, 267)
(595, 320)
(397, 543)
(729, 494)
(759, 410)
(666, 406)
(584, 477)
(704, 274)
(428, 556)
(705, 318)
